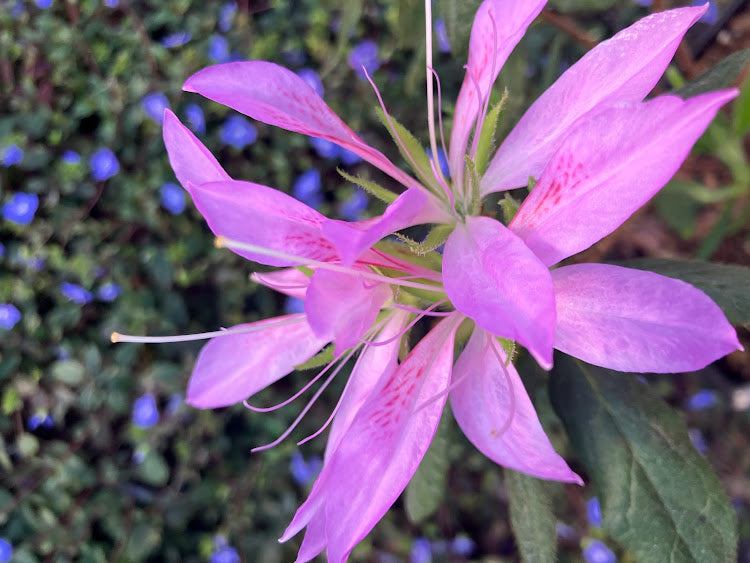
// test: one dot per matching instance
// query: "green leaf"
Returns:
(426, 490)
(487, 136)
(458, 18)
(741, 117)
(726, 284)
(660, 499)
(154, 470)
(322, 358)
(531, 516)
(69, 372)
(677, 208)
(370, 187)
(721, 75)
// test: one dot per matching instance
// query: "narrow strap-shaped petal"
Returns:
(637, 321)
(491, 276)
(277, 96)
(612, 163)
(315, 538)
(289, 281)
(623, 68)
(191, 161)
(262, 216)
(494, 411)
(386, 441)
(342, 307)
(231, 368)
(498, 26)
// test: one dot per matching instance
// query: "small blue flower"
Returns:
(12, 154)
(442, 161)
(565, 532)
(154, 105)
(226, 554)
(17, 10)
(294, 305)
(307, 187)
(76, 293)
(597, 552)
(2, 250)
(594, 512)
(71, 157)
(703, 399)
(103, 164)
(226, 15)
(421, 552)
(195, 118)
(699, 442)
(348, 158)
(145, 412)
(9, 316)
(238, 132)
(218, 49)
(364, 54)
(176, 39)
(37, 420)
(712, 14)
(325, 148)
(303, 472)
(312, 78)
(6, 550)
(139, 456)
(352, 208)
(174, 404)
(172, 198)
(463, 545)
(111, 3)
(108, 292)
(20, 208)
(643, 2)
(43, 4)
(444, 44)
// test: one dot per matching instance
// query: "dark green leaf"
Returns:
(677, 208)
(458, 17)
(154, 470)
(531, 516)
(721, 75)
(726, 284)
(660, 498)
(582, 5)
(741, 118)
(69, 372)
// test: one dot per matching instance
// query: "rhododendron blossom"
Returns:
(595, 152)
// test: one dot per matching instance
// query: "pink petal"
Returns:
(277, 96)
(612, 163)
(624, 68)
(386, 441)
(231, 368)
(494, 411)
(342, 307)
(637, 321)
(498, 26)
(259, 215)
(491, 276)
(191, 161)
(315, 538)
(289, 281)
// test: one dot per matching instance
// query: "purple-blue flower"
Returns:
(103, 164)
(597, 552)
(441, 34)
(6, 550)
(712, 14)
(352, 208)
(154, 105)
(172, 198)
(71, 157)
(325, 148)
(108, 292)
(307, 187)
(111, 3)
(38, 419)
(195, 118)
(43, 4)
(9, 316)
(225, 554)
(177, 39)
(2, 250)
(703, 399)
(76, 293)
(442, 161)
(12, 154)
(304, 471)
(348, 158)
(174, 404)
(463, 545)
(312, 78)
(699, 442)
(364, 54)
(294, 305)
(238, 132)
(421, 552)
(145, 411)
(20, 208)
(594, 512)
(226, 15)
(218, 49)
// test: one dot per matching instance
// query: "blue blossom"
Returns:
(103, 164)
(6, 550)
(699, 442)
(38, 419)
(226, 554)
(643, 2)
(442, 161)
(712, 14)
(174, 404)
(348, 158)
(441, 34)
(312, 78)
(594, 512)
(238, 132)
(12, 154)
(17, 10)
(352, 208)
(325, 148)
(154, 105)
(177, 39)
(172, 198)
(294, 305)
(43, 4)
(565, 532)
(108, 292)
(226, 15)
(218, 49)
(111, 3)
(364, 54)
(9, 316)
(307, 187)
(2, 250)
(703, 399)
(463, 545)
(145, 412)
(71, 157)
(421, 552)
(303, 472)
(76, 293)
(597, 552)
(294, 57)
(195, 118)
(20, 208)
(139, 456)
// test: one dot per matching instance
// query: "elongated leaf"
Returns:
(426, 490)
(721, 75)
(726, 284)
(741, 117)
(531, 516)
(659, 497)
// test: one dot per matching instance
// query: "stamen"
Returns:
(430, 95)
(439, 177)
(224, 242)
(440, 113)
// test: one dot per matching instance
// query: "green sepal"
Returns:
(510, 349)
(510, 206)
(487, 136)
(370, 187)
(475, 201)
(531, 183)
(325, 356)
(434, 238)
(306, 270)
(430, 261)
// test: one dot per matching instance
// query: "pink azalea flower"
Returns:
(597, 151)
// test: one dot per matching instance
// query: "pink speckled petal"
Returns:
(491, 276)
(231, 368)
(265, 217)
(498, 26)
(637, 321)
(623, 68)
(277, 96)
(289, 281)
(612, 163)
(494, 411)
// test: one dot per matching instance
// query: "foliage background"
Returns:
(94, 486)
